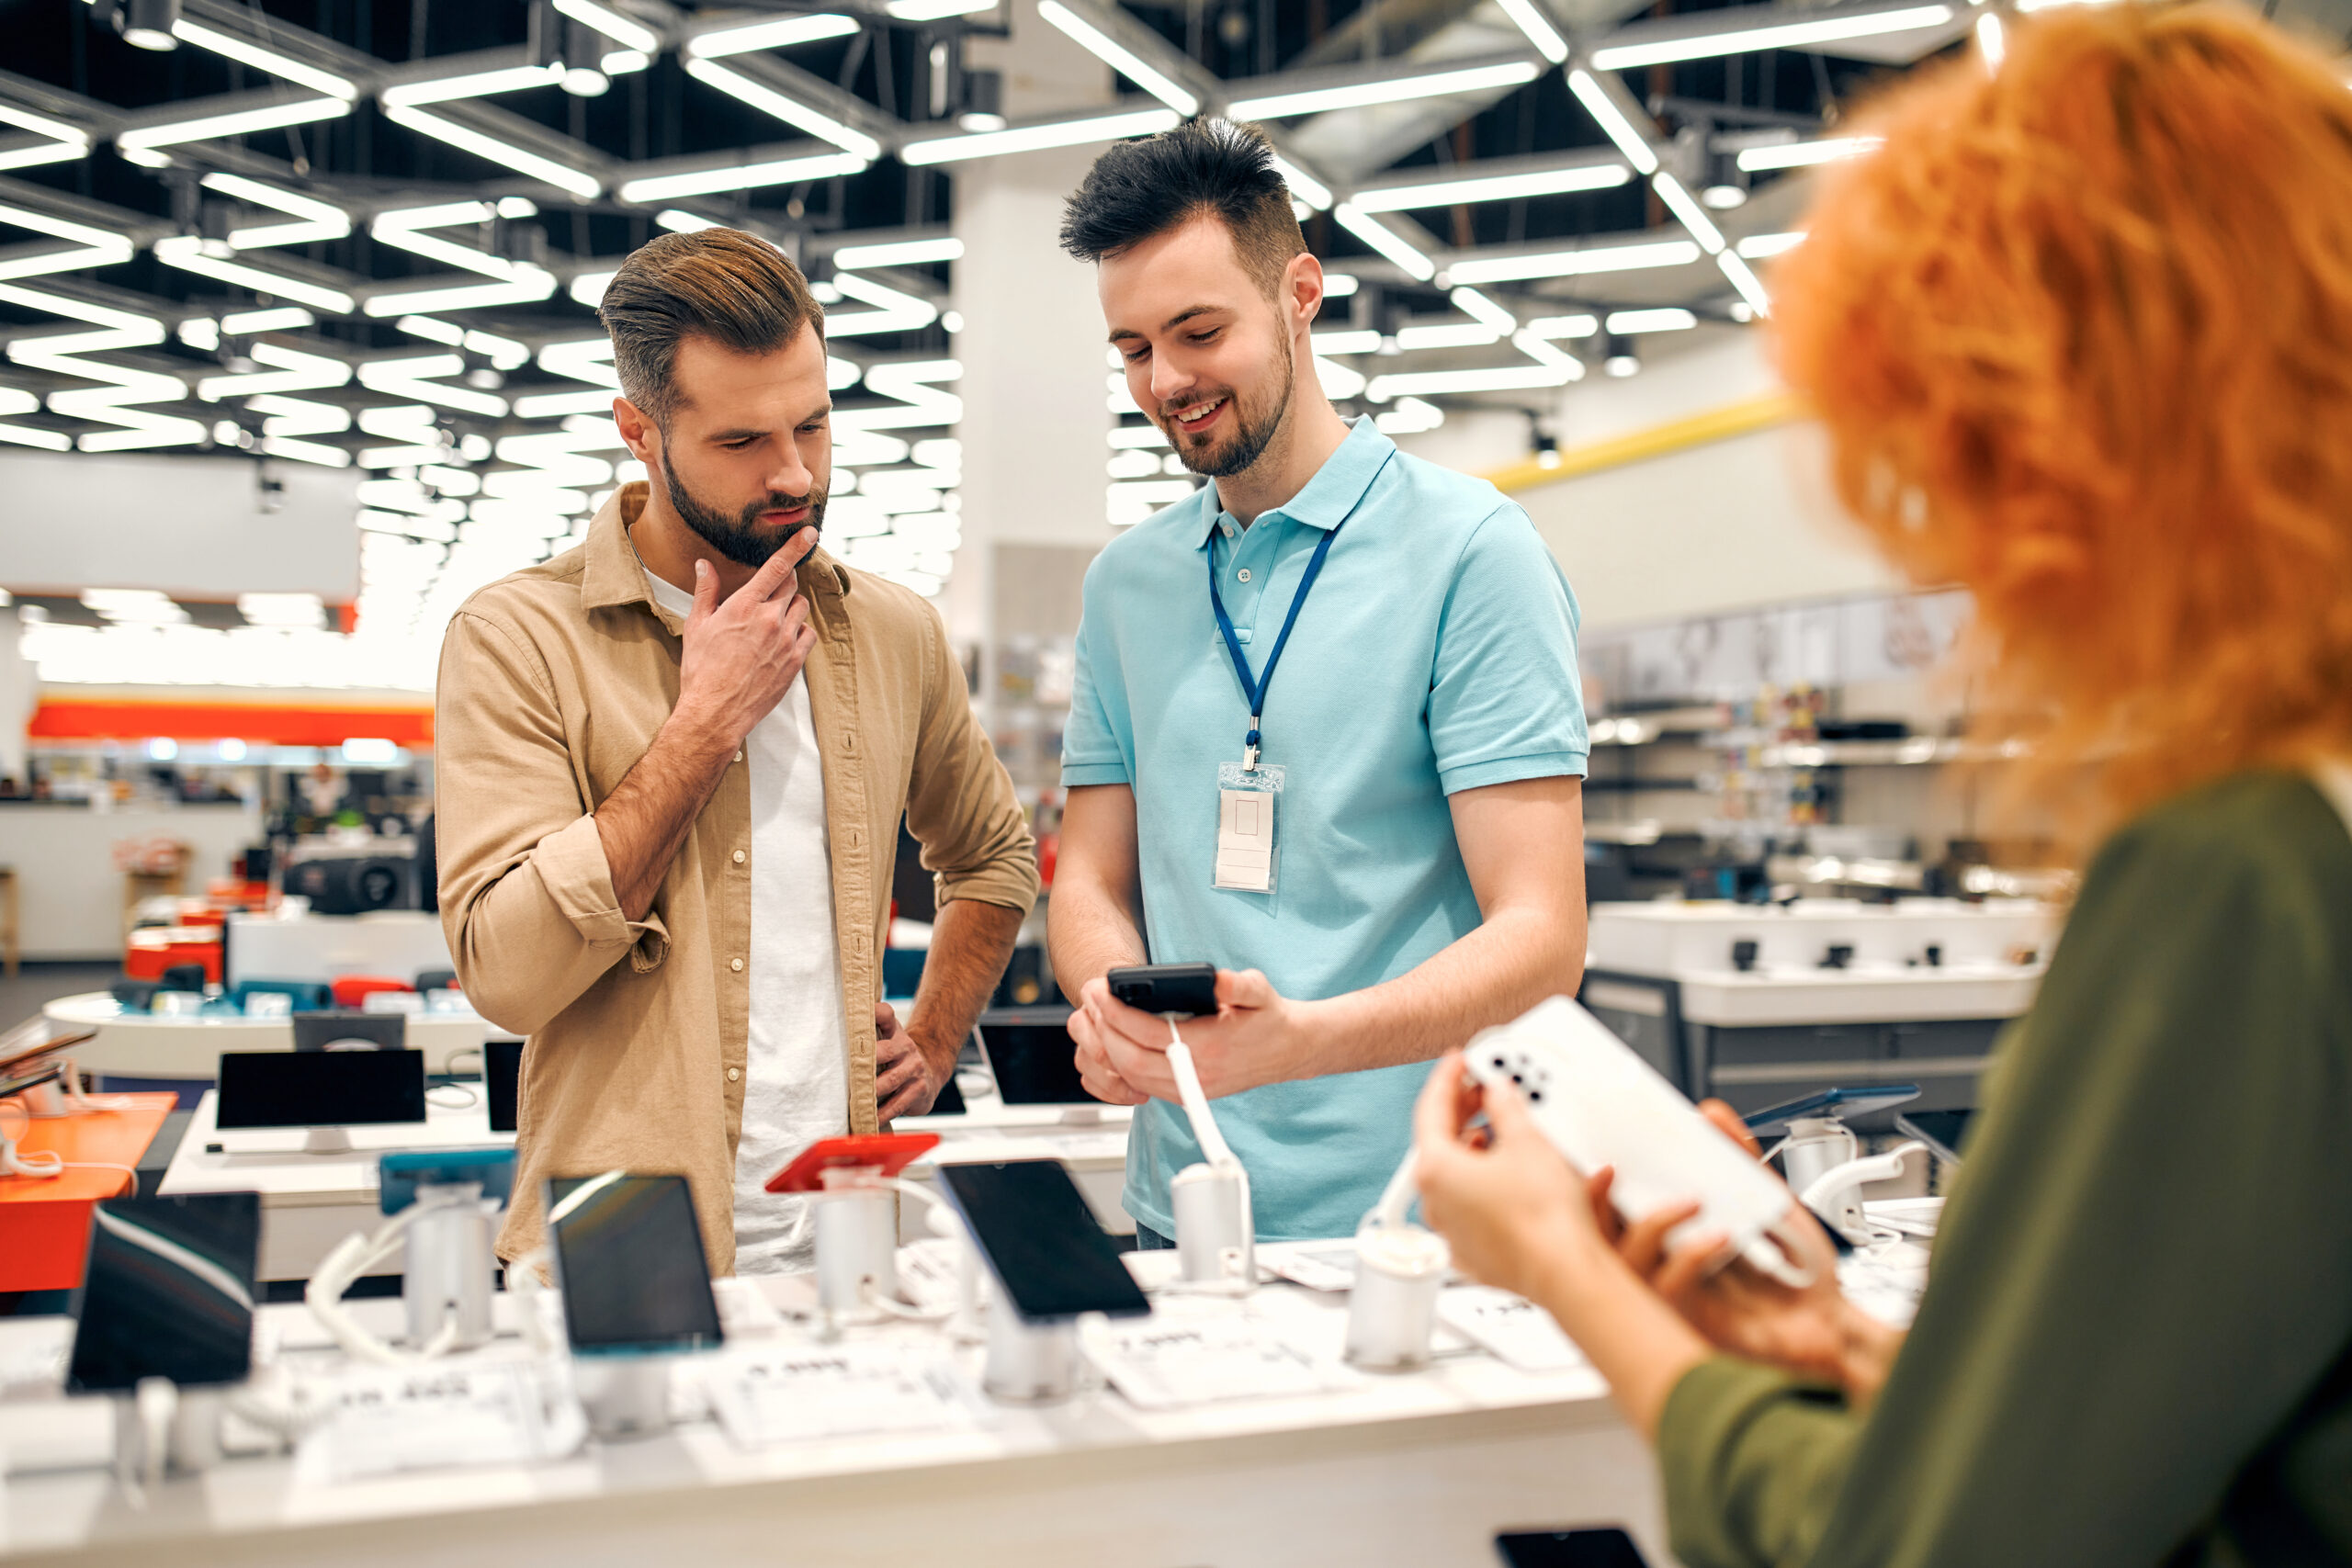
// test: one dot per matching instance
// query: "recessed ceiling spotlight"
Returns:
(143, 24)
(1618, 357)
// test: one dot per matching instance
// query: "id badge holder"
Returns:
(1247, 850)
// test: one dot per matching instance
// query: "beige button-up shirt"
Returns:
(553, 683)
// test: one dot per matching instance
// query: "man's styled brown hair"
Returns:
(1139, 189)
(732, 288)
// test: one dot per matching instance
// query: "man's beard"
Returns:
(741, 538)
(1249, 439)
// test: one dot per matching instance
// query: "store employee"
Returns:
(671, 766)
(1326, 731)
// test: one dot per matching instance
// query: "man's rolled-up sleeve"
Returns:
(960, 802)
(528, 901)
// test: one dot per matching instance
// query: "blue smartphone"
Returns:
(400, 1172)
(1859, 1101)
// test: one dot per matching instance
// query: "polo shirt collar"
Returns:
(1332, 495)
(612, 575)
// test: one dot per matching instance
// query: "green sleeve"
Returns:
(2146, 1271)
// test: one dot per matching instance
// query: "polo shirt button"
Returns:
(739, 857)
(734, 1075)
(736, 965)
(1243, 574)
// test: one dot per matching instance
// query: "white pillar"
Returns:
(1031, 347)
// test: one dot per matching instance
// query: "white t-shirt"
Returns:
(796, 1086)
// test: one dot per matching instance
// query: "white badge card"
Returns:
(1246, 802)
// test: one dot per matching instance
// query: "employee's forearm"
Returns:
(1090, 933)
(970, 944)
(1490, 976)
(644, 822)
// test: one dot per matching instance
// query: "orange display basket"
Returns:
(353, 991)
(153, 949)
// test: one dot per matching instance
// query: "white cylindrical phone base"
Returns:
(191, 1436)
(1029, 1363)
(1392, 1311)
(448, 1272)
(1212, 1222)
(857, 1248)
(625, 1396)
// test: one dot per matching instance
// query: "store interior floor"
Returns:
(38, 985)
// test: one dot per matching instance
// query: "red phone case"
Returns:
(893, 1151)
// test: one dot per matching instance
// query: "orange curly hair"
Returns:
(2081, 335)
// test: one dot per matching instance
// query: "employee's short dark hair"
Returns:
(732, 288)
(1139, 189)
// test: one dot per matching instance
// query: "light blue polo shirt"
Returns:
(1436, 653)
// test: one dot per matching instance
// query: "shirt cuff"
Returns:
(1077, 775)
(571, 862)
(1510, 769)
(1010, 888)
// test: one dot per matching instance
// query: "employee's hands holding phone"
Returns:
(1256, 1037)
(741, 656)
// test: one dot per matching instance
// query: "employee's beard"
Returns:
(742, 538)
(1254, 430)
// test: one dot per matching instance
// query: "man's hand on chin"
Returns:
(906, 1081)
(1258, 1037)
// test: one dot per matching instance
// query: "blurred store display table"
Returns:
(1420, 1468)
(45, 1221)
(188, 1045)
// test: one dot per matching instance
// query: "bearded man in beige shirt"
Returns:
(687, 744)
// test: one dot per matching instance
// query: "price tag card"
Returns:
(384, 1422)
(1164, 1363)
(1511, 1328)
(800, 1394)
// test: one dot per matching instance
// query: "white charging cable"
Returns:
(48, 1165)
(1196, 1101)
(352, 1257)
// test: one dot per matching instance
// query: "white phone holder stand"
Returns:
(445, 1279)
(1217, 1234)
(1392, 1310)
(625, 1396)
(1824, 1162)
(1029, 1363)
(857, 1241)
(160, 1429)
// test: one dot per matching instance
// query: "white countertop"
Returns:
(189, 1045)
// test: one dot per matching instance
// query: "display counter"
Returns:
(135, 1044)
(1419, 1469)
(70, 889)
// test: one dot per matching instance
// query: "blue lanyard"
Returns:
(1256, 690)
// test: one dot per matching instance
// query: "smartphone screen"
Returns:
(1041, 1240)
(319, 1088)
(168, 1293)
(1569, 1549)
(628, 1255)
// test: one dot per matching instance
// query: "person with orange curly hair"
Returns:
(2080, 334)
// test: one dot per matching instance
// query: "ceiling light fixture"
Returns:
(1612, 120)
(1685, 206)
(612, 24)
(899, 253)
(1339, 285)
(583, 66)
(471, 84)
(1119, 58)
(742, 176)
(1801, 154)
(1662, 319)
(793, 112)
(185, 253)
(580, 182)
(782, 33)
(1501, 379)
(280, 319)
(1769, 35)
(1394, 90)
(1037, 138)
(1381, 238)
(1756, 247)
(1490, 187)
(1365, 341)
(1743, 277)
(148, 24)
(66, 141)
(1577, 263)
(1480, 309)
(145, 139)
(314, 219)
(528, 285)
(246, 53)
(679, 221)
(936, 10)
(1546, 328)
(1538, 28)
(1448, 335)
(1619, 358)
(1303, 185)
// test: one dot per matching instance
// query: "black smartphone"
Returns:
(1188, 990)
(1942, 1131)
(319, 1088)
(1041, 1240)
(1859, 1101)
(1569, 1549)
(627, 1254)
(168, 1293)
(502, 1082)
